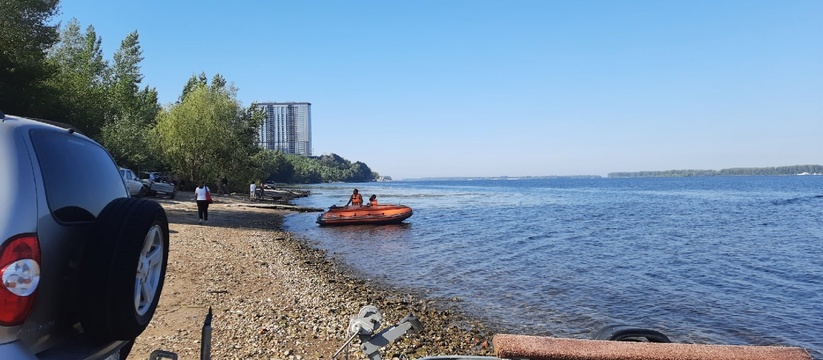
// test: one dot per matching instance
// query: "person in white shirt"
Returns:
(202, 202)
(252, 190)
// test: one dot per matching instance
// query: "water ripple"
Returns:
(705, 260)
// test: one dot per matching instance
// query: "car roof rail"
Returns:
(68, 127)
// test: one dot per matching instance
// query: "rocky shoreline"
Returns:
(273, 296)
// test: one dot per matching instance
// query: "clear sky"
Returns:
(518, 88)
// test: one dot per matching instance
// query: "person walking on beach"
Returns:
(202, 199)
(373, 200)
(355, 199)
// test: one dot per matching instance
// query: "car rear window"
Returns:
(80, 177)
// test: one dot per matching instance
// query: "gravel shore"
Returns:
(275, 297)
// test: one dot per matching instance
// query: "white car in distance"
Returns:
(133, 183)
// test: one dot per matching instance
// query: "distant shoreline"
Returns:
(763, 171)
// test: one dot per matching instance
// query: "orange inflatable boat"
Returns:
(361, 215)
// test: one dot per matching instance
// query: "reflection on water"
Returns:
(387, 233)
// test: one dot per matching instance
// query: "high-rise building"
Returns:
(287, 127)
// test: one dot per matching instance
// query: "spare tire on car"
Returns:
(123, 268)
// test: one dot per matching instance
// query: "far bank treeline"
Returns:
(58, 73)
(765, 171)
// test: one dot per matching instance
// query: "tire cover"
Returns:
(124, 232)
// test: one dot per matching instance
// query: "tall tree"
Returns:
(129, 142)
(241, 140)
(148, 105)
(132, 112)
(218, 82)
(126, 76)
(279, 168)
(193, 82)
(208, 134)
(24, 38)
(80, 78)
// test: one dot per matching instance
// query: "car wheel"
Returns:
(123, 268)
(172, 195)
(142, 192)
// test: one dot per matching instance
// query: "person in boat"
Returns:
(355, 199)
(373, 200)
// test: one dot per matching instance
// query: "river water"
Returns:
(720, 260)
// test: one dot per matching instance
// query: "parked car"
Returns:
(133, 184)
(82, 263)
(158, 184)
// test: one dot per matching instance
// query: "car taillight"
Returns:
(20, 271)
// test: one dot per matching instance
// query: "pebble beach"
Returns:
(273, 296)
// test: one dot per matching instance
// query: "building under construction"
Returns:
(286, 128)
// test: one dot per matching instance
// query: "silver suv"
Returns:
(82, 263)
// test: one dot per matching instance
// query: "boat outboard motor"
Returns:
(367, 322)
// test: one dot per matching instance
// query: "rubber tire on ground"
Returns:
(143, 191)
(630, 333)
(124, 230)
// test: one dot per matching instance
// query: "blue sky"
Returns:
(517, 88)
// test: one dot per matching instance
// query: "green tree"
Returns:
(279, 167)
(218, 82)
(25, 36)
(275, 166)
(127, 98)
(360, 172)
(306, 173)
(80, 78)
(128, 141)
(132, 112)
(148, 105)
(240, 157)
(208, 134)
(191, 84)
(325, 168)
(126, 76)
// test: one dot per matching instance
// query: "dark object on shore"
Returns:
(630, 333)
(365, 325)
(612, 342)
(205, 338)
(205, 343)
(539, 347)
(364, 215)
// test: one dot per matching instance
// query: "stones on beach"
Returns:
(275, 297)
